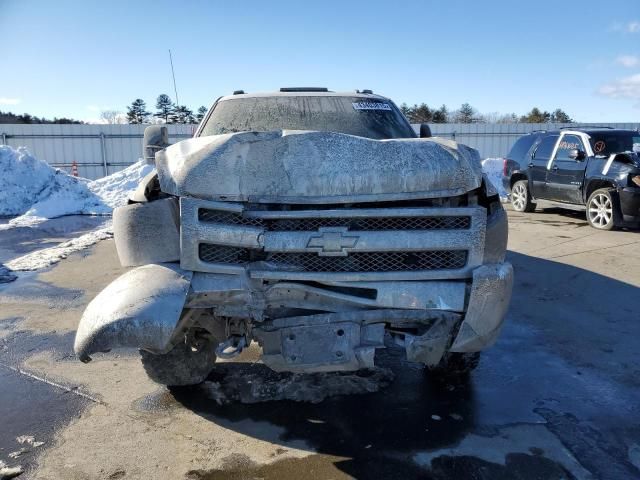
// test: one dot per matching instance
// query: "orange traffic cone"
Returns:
(74, 168)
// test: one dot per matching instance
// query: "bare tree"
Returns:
(113, 117)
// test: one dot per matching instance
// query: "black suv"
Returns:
(595, 167)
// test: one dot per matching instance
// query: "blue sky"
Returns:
(75, 58)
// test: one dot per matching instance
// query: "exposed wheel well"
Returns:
(595, 185)
(516, 177)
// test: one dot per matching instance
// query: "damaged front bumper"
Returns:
(347, 340)
(140, 309)
(144, 308)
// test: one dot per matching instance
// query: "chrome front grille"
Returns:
(361, 224)
(349, 243)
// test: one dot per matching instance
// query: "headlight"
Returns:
(634, 179)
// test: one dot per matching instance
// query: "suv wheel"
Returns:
(520, 197)
(601, 209)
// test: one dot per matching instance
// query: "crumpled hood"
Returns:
(316, 167)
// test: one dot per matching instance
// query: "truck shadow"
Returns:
(364, 427)
(557, 319)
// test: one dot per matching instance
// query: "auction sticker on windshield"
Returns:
(371, 106)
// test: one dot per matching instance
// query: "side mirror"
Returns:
(425, 131)
(577, 154)
(156, 137)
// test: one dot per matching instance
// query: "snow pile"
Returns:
(31, 188)
(493, 167)
(114, 189)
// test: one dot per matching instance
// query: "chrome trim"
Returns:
(193, 232)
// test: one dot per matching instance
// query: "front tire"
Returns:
(455, 365)
(521, 198)
(601, 209)
(180, 366)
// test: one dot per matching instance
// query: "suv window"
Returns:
(375, 118)
(545, 148)
(522, 147)
(606, 143)
(568, 143)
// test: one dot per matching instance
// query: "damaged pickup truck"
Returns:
(314, 223)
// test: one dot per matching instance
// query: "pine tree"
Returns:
(181, 114)
(536, 116)
(422, 113)
(164, 105)
(137, 111)
(466, 114)
(417, 113)
(202, 111)
(559, 116)
(441, 115)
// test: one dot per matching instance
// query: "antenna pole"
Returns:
(175, 89)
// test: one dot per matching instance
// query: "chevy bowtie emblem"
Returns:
(332, 242)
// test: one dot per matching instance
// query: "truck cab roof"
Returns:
(309, 92)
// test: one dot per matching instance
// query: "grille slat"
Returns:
(219, 216)
(354, 223)
(354, 262)
(221, 254)
(375, 261)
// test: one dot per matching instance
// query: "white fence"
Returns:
(100, 150)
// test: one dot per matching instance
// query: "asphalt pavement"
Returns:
(556, 397)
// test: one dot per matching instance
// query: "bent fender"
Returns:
(139, 309)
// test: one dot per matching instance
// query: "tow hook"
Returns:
(232, 347)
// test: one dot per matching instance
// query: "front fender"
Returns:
(140, 309)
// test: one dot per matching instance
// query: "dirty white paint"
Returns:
(291, 166)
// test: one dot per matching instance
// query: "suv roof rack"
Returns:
(585, 127)
(238, 92)
(304, 89)
(366, 90)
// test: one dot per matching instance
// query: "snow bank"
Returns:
(114, 189)
(493, 168)
(31, 188)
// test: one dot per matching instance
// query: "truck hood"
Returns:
(293, 166)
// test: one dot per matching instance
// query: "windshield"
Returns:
(359, 116)
(606, 143)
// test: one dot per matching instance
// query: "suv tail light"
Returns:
(504, 167)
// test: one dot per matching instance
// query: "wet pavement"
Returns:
(31, 405)
(18, 241)
(556, 397)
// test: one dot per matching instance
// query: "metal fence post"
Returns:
(103, 151)
(4, 138)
